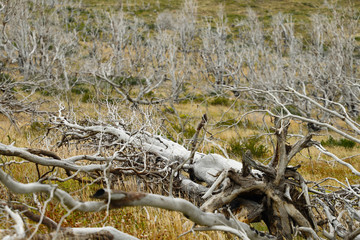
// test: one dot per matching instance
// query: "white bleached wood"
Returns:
(218, 181)
(46, 161)
(64, 197)
(336, 158)
(19, 225)
(206, 167)
(83, 233)
(189, 210)
(121, 199)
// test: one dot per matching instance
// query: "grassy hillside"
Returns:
(234, 10)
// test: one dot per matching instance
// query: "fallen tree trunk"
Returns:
(255, 191)
(117, 199)
(229, 194)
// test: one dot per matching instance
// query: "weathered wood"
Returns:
(277, 219)
(228, 195)
(252, 191)
(281, 134)
(120, 199)
(267, 170)
(247, 211)
(246, 169)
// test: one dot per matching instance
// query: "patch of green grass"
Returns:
(188, 131)
(342, 142)
(232, 18)
(184, 116)
(150, 94)
(309, 5)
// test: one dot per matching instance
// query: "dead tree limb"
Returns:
(117, 199)
(120, 199)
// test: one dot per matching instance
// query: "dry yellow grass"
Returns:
(150, 223)
(142, 222)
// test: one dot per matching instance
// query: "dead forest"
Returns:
(248, 127)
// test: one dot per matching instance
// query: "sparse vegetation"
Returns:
(200, 73)
(223, 101)
(342, 142)
(237, 147)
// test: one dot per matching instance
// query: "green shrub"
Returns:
(129, 81)
(150, 94)
(223, 101)
(238, 148)
(189, 132)
(228, 122)
(5, 78)
(196, 98)
(48, 91)
(38, 128)
(109, 100)
(169, 110)
(183, 116)
(79, 90)
(26, 88)
(246, 124)
(291, 108)
(343, 142)
(87, 97)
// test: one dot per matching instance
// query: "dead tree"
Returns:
(249, 191)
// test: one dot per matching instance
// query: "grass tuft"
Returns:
(238, 148)
(343, 142)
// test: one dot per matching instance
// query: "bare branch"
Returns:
(19, 225)
(122, 199)
(61, 195)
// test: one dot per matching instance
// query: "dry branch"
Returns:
(118, 199)
(123, 199)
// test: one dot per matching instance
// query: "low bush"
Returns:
(223, 101)
(87, 97)
(5, 78)
(129, 81)
(79, 89)
(239, 147)
(38, 128)
(228, 122)
(291, 108)
(342, 142)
